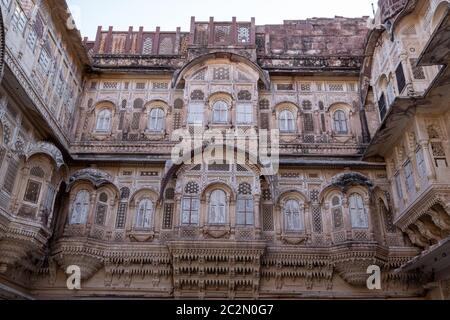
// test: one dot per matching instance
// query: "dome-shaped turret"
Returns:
(390, 8)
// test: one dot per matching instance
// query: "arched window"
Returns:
(191, 205)
(340, 122)
(157, 117)
(101, 210)
(34, 185)
(293, 217)
(80, 208)
(287, 121)
(336, 210)
(220, 112)
(358, 212)
(217, 207)
(144, 214)
(104, 120)
(244, 214)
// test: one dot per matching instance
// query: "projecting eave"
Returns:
(74, 39)
(331, 163)
(437, 50)
(396, 119)
(435, 260)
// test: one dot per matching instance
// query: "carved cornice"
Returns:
(96, 177)
(435, 194)
(49, 149)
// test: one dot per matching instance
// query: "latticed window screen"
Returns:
(317, 219)
(135, 121)
(32, 192)
(37, 172)
(243, 34)
(401, 80)
(170, 194)
(245, 189)
(166, 46)
(10, 177)
(138, 103)
(2, 155)
(244, 95)
(197, 95)
(148, 46)
(192, 188)
(168, 216)
(265, 121)
(388, 218)
(264, 104)
(100, 214)
(102, 207)
(382, 106)
(221, 74)
(418, 72)
(307, 105)
(178, 104)
(124, 193)
(177, 120)
(268, 224)
(121, 215)
(222, 34)
(261, 42)
(308, 122)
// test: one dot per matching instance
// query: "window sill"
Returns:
(217, 231)
(294, 237)
(142, 235)
(155, 135)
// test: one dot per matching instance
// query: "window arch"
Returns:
(101, 210)
(191, 204)
(156, 120)
(80, 208)
(220, 112)
(336, 210)
(293, 218)
(144, 214)
(245, 210)
(104, 120)
(218, 207)
(358, 212)
(340, 122)
(287, 121)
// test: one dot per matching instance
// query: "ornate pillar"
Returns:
(347, 219)
(257, 215)
(91, 213)
(157, 219)
(177, 211)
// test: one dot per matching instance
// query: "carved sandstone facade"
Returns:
(88, 129)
